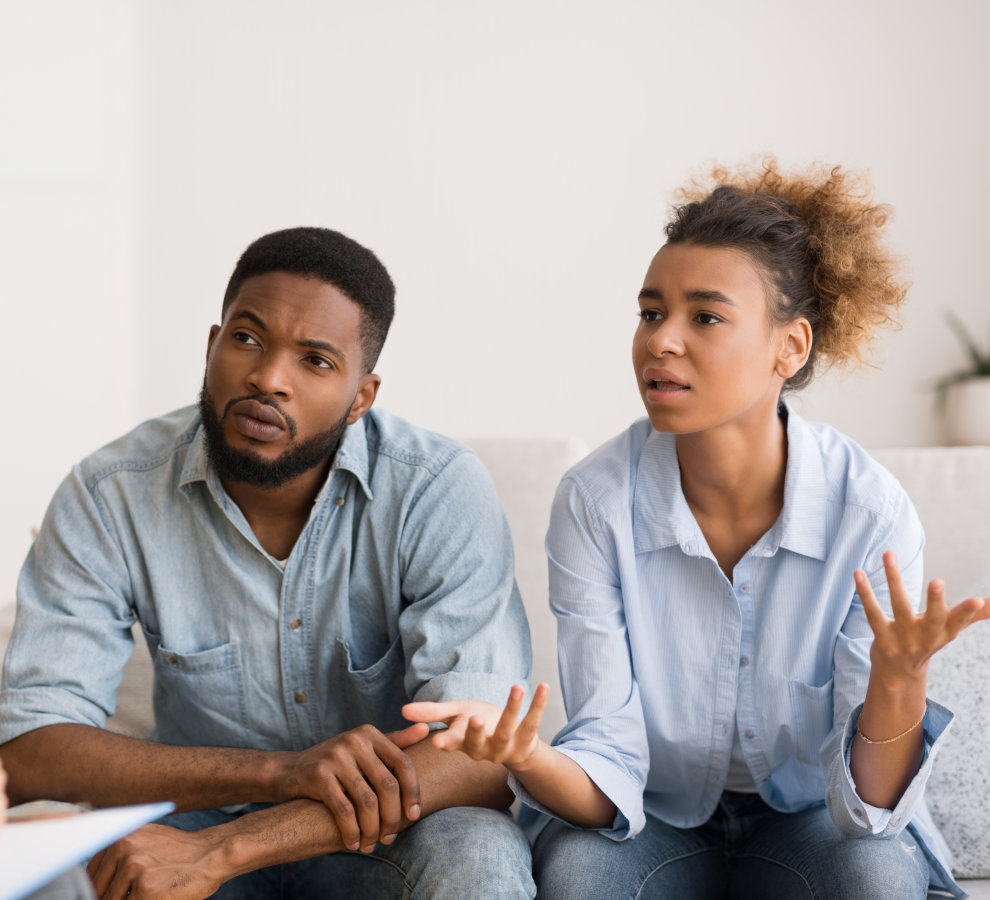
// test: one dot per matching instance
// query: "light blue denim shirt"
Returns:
(664, 660)
(401, 586)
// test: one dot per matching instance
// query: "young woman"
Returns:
(742, 665)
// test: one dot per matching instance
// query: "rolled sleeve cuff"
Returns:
(852, 814)
(619, 786)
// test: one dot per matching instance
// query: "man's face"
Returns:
(284, 377)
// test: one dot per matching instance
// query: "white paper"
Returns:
(32, 853)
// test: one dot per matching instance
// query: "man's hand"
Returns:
(482, 730)
(364, 779)
(158, 861)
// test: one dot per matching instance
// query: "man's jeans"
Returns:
(746, 850)
(454, 853)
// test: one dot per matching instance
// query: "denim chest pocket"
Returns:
(373, 694)
(812, 711)
(200, 697)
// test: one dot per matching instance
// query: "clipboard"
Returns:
(34, 852)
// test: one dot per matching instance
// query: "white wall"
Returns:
(511, 164)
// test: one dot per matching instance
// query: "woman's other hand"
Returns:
(482, 730)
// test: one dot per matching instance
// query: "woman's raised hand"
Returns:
(482, 730)
(903, 645)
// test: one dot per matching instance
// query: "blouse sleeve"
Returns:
(605, 733)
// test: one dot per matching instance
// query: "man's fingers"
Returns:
(344, 815)
(399, 784)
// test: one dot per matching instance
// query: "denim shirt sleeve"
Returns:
(72, 636)
(464, 631)
(605, 734)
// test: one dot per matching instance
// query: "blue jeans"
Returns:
(454, 853)
(745, 850)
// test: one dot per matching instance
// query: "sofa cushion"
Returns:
(959, 789)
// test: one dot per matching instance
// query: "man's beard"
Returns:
(252, 468)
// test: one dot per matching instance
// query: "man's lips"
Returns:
(257, 421)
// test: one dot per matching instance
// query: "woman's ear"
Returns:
(795, 347)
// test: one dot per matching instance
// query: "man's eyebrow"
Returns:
(311, 343)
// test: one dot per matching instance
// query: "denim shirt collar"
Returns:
(352, 456)
(662, 517)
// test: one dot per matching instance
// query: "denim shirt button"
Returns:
(301, 697)
(339, 501)
(171, 659)
(295, 623)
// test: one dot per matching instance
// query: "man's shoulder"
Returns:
(145, 447)
(400, 443)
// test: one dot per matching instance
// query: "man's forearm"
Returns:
(81, 763)
(286, 832)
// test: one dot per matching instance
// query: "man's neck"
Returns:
(277, 516)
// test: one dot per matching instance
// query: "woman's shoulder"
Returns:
(606, 477)
(852, 476)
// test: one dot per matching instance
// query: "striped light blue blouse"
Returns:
(664, 660)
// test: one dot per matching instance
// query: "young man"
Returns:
(301, 565)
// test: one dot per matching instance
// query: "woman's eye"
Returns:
(708, 318)
(649, 315)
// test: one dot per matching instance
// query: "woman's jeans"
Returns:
(745, 850)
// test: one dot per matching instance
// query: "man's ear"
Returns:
(795, 347)
(366, 393)
(214, 331)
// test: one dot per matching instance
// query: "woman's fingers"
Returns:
(900, 602)
(874, 614)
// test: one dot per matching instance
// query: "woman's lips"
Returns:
(662, 385)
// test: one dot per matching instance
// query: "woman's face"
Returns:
(705, 352)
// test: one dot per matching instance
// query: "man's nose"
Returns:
(271, 375)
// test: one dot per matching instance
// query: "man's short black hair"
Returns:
(330, 257)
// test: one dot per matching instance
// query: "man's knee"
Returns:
(464, 852)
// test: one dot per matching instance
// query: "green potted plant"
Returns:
(964, 395)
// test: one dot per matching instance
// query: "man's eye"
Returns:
(242, 337)
(320, 362)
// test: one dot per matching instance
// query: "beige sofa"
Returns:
(950, 488)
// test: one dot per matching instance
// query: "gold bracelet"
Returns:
(896, 737)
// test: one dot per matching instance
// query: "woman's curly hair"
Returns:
(817, 237)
